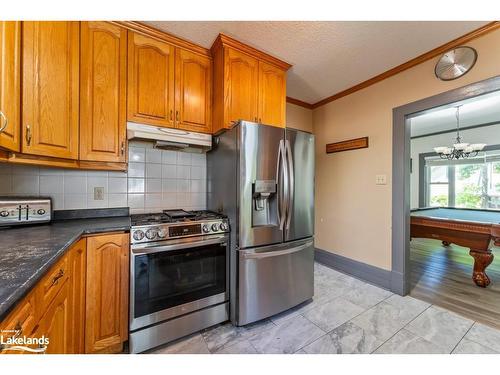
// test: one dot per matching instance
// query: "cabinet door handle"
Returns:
(19, 330)
(177, 116)
(256, 119)
(122, 148)
(5, 121)
(171, 115)
(260, 121)
(28, 134)
(56, 278)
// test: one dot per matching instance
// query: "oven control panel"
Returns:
(159, 232)
(184, 230)
(15, 211)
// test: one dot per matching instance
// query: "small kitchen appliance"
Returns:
(24, 210)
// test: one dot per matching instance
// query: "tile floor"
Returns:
(347, 315)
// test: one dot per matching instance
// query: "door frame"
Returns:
(400, 275)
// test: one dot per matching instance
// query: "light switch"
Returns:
(381, 179)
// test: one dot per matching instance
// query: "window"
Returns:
(470, 183)
(438, 186)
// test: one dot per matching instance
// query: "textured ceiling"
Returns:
(328, 57)
(475, 111)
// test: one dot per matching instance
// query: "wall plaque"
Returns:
(351, 144)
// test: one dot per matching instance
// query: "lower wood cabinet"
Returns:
(81, 304)
(55, 324)
(106, 318)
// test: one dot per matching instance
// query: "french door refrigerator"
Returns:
(262, 178)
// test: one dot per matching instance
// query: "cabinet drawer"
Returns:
(20, 322)
(50, 285)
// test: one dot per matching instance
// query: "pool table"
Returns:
(471, 228)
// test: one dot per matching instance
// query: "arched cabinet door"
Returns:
(272, 95)
(106, 318)
(241, 87)
(150, 96)
(193, 91)
(10, 84)
(50, 85)
(103, 112)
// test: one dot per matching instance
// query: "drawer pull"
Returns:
(56, 278)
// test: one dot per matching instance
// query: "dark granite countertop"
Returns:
(27, 253)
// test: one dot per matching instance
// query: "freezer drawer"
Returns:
(273, 279)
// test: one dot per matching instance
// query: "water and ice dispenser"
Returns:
(264, 199)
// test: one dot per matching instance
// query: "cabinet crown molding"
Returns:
(226, 41)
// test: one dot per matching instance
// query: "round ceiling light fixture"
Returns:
(455, 63)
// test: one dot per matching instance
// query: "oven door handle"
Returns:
(179, 246)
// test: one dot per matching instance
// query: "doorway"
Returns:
(426, 268)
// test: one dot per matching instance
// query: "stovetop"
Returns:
(174, 216)
(175, 224)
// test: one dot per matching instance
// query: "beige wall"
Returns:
(353, 215)
(298, 117)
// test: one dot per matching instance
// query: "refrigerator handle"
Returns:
(280, 167)
(290, 183)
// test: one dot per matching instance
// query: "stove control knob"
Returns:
(41, 211)
(162, 233)
(224, 227)
(138, 235)
(215, 227)
(4, 213)
(206, 228)
(150, 234)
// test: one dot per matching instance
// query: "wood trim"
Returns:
(224, 40)
(492, 26)
(298, 102)
(163, 36)
(62, 163)
(455, 225)
(348, 145)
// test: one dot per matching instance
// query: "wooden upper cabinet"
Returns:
(106, 320)
(103, 116)
(272, 95)
(50, 112)
(241, 87)
(10, 84)
(150, 81)
(193, 91)
(248, 85)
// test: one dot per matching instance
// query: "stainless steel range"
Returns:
(179, 275)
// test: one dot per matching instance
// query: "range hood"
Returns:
(169, 138)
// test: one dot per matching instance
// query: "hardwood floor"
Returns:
(442, 276)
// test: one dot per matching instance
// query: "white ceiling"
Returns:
(328, 57)
(476, 111)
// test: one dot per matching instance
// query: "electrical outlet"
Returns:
(98, 193)
(381, 179)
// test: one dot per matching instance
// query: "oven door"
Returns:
(174, 279)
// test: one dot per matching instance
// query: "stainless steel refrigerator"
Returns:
(262, 177)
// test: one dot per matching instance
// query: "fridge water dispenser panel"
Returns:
(264, 203)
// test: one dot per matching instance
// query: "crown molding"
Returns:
(224, 40)
(413, 62)
(298, 102)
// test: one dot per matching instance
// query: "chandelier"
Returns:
(460, 150)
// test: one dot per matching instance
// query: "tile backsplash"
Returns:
(155, 180)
